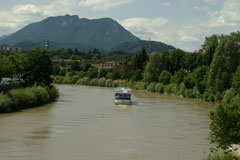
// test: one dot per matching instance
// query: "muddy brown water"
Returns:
(84, 124)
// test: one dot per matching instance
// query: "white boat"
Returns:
(123, 96)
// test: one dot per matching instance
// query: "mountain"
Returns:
(3, 37)
(25, 45)
(71, 31)
(136, 46)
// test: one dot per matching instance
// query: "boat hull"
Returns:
(122, 101)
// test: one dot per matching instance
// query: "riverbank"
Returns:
(19, 99)
(178, 90)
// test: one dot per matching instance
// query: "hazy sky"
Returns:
(181, 23)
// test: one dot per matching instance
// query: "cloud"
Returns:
(211, 1)
(166, 4)
(187, 36)
(102, 4)
(228, 16)
(27, 9)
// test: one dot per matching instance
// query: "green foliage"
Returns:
(159, 88)
(178, 77)
(210, 45)
(151, 87)
(189, 80)
(165, 77)
(223, 156)
(6, 67)
(5, 103)
(92, 73)
(229, 94)
(137, 75)
(141, 85)
(236, 100)
(18, 99)
(38, 69)
(225, 126)
(200, 78)
(224, 64)
(236, 80)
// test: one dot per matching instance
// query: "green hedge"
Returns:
(18, 99)
(181, 90)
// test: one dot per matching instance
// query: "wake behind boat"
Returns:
(123, 96)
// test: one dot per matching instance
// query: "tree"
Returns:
(224, 64)
(236, 80)
(225, 126)
(92, 73)
(18, 60)
(154, 67)
(200, 78)
(165, 77)
(178, 77)
(38, 68)
(210, 46)
(75, 66)
(7, 69)
(137, 75)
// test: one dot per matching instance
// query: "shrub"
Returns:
(229, 94)
(86, 81)
(79, 82)
(140, 85)
(18, 99)
(182, 89)
(196, 93)
(165, 77)
(101, 82)
(5, 103)
(236, 100)
(58, 79)
(225, 126)
(109, 83)
(159, 88)
(188, 93)
(223, 156)
(151, 87)
(93, 82)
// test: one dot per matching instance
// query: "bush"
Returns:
(229, 94)
(225, 126)
(58, 79)
(151, 87)
(182, 89)
(18, 99)
(140, 85)
(5, 103)
(236, 100)
(218, 156)
(101, 82)
(165, 77)
(207, 96)
(159, 88)
(93, 82)
(109, 83)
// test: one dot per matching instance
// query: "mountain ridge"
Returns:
(104, 34)
(99, 33)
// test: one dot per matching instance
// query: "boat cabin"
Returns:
(122, 96)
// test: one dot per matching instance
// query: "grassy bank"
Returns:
(19, 99)
(179, 90)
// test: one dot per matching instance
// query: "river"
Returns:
(84, 124)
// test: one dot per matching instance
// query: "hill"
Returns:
(2, 37)
(135, 47)
(72, 32)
